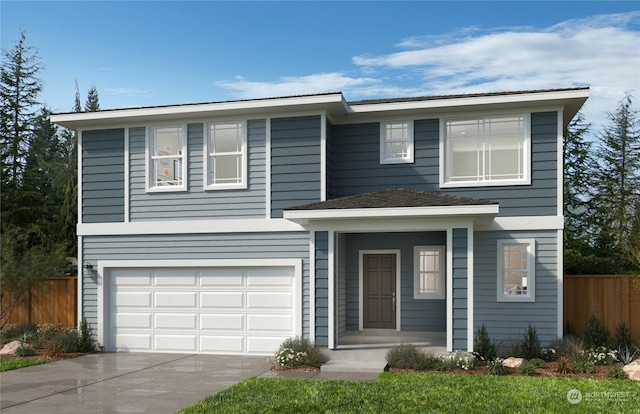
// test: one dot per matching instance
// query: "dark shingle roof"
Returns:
(394, 198)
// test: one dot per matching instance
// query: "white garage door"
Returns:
(227, 310)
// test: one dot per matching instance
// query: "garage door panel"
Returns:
(268, 322)
(222, 344)
(178, 343)
(132, 299)
(224, 276)
(175, 299)
(133, 342)
(132, 320)
(175, 321)
(264, 344)
(270, 300)
(222, 322)
(222, 300)
(175, 277)
(227, 310)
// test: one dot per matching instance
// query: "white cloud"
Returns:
(602, 52)
(127, 91)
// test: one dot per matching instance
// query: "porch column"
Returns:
(460, 331)
(321, 291)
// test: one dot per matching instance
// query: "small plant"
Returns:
(68, 340)
(584, 367)
(24, 350)
(443, 366)
(596, 334)
(24, 328)
(424, 360)
(55, 350)
(516, 349)
(496, 367)
(617, 373)
(627, 355)
(623, 336)
(401, 356)
(86, 341)
(564, 365)
(569, 346)
(549, 354)
(461, 359)
(601, 355)
(531, 344)
(294, 352)
(538, 363)
(483, 345)
(527, 369)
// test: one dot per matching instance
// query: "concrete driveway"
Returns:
(123, 382)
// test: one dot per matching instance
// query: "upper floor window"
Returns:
(486, 151)
(428, 272)
(167, 158)
(516, 270)
(396, 142)
(226, 155)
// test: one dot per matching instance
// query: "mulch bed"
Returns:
(301, 368)
(548, 371)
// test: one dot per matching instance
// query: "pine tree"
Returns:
(19, 106)
(92, 103)
(618, 179)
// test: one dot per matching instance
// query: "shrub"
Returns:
(601, 356)
(527, 369)
(401, 356)
(483, 345)
(55, 350)
(86, 341)
(596, 334)
(627, 355)
(617, 373)
(294, 352)
(623, 336)
(443, 365)
(25, 350)
(564, 365)
(569, 346)
(549, 354)
(24, 328)
(424, 360)
(538, 363)
(569, 330)
(496, 367)
(461, 359)
(531, 344)
(516, 349)
(68, 340)
(583, 366)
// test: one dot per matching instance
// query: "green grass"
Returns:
(7, 364)
(416, 392)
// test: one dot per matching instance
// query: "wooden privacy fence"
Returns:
(611, 298)
(55, 302)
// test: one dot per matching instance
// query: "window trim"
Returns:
(442, 275)
(208, 186)
(410, 143)
(150, 186)
(444, 153)
(531, 271)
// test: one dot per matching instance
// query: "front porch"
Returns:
(365, 351)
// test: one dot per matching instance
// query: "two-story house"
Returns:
(227, 227)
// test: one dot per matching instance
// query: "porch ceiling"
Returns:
(393, 203)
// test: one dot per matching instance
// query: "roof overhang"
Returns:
(333, 104)
(480, 213)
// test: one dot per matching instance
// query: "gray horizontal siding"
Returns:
(417, 314)
(355, 166)
(195, 247)
(196, 203)
(460, 291)
(506, 321)
(322, 288)
(295, 162)
(103, 176)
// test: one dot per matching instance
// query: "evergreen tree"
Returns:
(92, 103)
(19, 89)
(618, 184)
(77, 106)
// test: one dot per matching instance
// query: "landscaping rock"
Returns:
(633, 370)
(10, 348)
(513, 362)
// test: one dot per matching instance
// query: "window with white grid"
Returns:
(226, 158)
(429, 272)
(516, 270)
(396, 142)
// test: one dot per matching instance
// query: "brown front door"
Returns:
(379, 291)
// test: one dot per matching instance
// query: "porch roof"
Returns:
(392, 202)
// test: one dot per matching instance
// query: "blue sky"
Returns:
(143, 53)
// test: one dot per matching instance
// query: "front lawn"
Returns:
(418, 392)
(7, 364)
